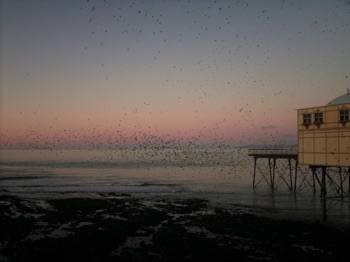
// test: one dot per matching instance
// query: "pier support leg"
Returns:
(290, 174)
(272, 170)
(341, 183)
(254, 172)
(273, 173)
(313, 179)
(324, 193)
(270, 173)
(349, 185)
(296, 175)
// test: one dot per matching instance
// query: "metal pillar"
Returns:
(349, 185)
(290, 174)
(341, 183)
(324, 193)
(295, 176)
(254, 172)
(273, 174)
(313, 180)
(270, 172)
(314, 176)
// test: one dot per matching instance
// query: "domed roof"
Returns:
(341, 99)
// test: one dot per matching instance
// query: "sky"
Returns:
(77, 72)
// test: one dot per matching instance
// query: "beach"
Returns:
(71, 207)
(174, 131)
(74, 226)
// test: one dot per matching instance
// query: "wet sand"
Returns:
(112, 227)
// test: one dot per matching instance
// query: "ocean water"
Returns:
(223, 176)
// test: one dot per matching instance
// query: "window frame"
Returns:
(318, 118)
(344, 115)
(307, 116)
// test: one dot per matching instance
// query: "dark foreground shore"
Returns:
(110, 227)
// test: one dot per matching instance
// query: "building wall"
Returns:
(327, 144)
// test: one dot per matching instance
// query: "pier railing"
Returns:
(285, 152)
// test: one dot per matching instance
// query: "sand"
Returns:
(112, 227)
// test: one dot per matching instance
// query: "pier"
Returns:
(321, 161)
(281, 166)
(274, 175)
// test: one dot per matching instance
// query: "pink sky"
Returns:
(72, 73)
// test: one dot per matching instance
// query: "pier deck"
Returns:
(274, 153)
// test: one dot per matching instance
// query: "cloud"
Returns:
(268, 127)
(289, 135)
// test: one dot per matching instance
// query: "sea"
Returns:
(223, 176)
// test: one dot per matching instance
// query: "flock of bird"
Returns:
(116, 146)
(211, 24)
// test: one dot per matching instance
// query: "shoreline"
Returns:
(109, 227)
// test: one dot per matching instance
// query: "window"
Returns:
(343, 115)
(306, 119)
(318, 118)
